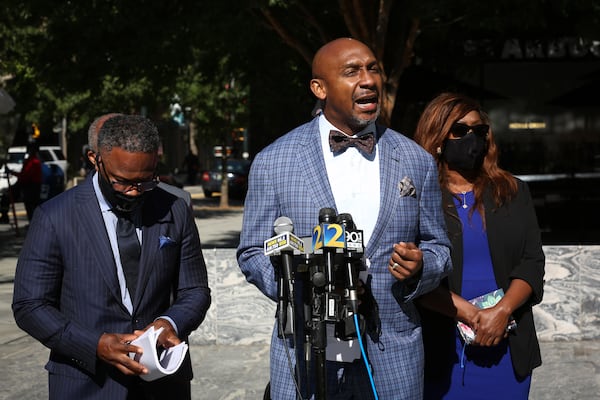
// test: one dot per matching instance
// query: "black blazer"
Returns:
(516, 250)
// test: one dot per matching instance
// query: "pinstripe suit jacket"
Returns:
(66, 291)
(289, 178)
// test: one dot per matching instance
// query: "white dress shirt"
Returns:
(354, 181)
(110, 222)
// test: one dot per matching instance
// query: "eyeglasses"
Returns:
(460, 130)
(124, 186)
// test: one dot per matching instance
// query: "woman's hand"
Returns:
(490, 326)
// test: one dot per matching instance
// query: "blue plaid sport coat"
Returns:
(289, 178)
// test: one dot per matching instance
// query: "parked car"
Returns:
(168, 176)
(237, 177)
(54, 177)
(51, 155)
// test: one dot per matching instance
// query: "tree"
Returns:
(217, 107)
(73, 61)
(404, 33)
(367, 21)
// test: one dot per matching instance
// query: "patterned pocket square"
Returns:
(406, 188)
(166, 241)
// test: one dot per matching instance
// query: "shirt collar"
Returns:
(104, 206)
(325, 126)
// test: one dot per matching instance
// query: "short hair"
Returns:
(132, 133)
(95, 127)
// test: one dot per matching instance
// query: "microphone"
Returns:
(285, 244)
(284, 241)
(328, 238)
(353, 249)
(290, 245)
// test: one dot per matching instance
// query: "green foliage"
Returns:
(217, 105)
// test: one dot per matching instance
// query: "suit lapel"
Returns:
(391, 170)
(455, 234)
(311, 158)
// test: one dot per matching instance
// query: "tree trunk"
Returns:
(373, 32)
(224, 201)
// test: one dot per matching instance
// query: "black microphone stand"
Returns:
(318, 332)
(324, 305)
(305, 272)
(284, 245)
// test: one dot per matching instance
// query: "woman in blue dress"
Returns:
(496, 244)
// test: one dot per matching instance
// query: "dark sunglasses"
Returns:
(460, 130)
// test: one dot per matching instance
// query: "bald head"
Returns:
(331, 51)
(95, 127)
(347, 80)
(93, 130)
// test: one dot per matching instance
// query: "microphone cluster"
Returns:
(285, 245)
(330, 262)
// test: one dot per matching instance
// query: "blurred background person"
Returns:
(496, 243)
(192, 166)
(53, 181)
(85, 165)
(29, 181)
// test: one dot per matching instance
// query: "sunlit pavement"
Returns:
(570, 370)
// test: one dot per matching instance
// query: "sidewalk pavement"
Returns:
(221, 372)
(570, 370)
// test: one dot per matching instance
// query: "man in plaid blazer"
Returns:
(390, 187)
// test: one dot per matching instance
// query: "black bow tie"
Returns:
(339, 142)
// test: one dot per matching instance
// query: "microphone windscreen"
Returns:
(346, 220)
(327, 215)
(282, 225)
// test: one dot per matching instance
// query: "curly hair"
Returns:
(433, 130)
(132, 133)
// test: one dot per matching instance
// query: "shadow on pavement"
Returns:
(206, 210)
(213, 203)
(10, 242)
(218, 227)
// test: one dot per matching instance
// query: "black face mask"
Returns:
(119, 201)
(466, 153)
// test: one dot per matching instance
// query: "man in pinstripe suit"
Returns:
(71, 289)
(389, 185)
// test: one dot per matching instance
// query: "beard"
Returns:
(361, 123)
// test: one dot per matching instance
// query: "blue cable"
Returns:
(364, 356)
